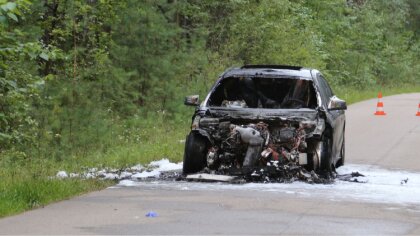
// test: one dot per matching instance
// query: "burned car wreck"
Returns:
(266, 117)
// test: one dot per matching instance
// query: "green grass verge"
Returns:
(26, 192)
(26, 183)
(353, 95)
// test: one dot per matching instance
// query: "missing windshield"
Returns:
(258, 92)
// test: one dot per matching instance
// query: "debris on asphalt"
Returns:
(165, 170)
(210, 177)
(151, 214)
(353, 177)
(404, 181)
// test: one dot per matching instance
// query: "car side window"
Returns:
(327, 87)
(326, 91)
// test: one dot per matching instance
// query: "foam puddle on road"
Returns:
(380, 185)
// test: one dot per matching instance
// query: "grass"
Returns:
(156, 143)
(28, 192)
(26, 182)
(353, 95)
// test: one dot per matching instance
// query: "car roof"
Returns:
(269, 71)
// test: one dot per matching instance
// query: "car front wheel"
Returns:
(325, 154)
(195, 153)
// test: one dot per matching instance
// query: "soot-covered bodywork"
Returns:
(260, 116)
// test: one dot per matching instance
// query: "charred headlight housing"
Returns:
(209, 122)
(320, 127)
(196, 123)
(308, 124)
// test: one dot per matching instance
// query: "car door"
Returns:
(336, 118)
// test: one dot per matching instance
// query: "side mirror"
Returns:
(337, 104)
(192, 100)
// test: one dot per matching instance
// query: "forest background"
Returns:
(100, 83)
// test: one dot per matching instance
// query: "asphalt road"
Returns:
(391, 142)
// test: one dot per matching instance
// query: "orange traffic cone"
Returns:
(418, 110)
(380, 106)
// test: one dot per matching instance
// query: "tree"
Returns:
(19, 85)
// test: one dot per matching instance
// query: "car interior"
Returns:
(262, 92)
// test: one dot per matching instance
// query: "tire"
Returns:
(314, 156)
(194, 154)
(325, 152)
(341, 161)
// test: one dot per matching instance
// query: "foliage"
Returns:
(264, 33)
(19, 82)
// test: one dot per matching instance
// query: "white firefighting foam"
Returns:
(381, 185)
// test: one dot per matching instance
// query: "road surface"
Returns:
(390, 144)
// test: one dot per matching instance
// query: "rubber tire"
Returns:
(313, 159)
(326, 158)
(341, 161)
(194, 154)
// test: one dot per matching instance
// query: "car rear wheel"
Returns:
(194, 154)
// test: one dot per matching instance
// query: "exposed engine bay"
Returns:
(242, 148)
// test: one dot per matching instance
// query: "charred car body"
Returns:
(264, 115)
